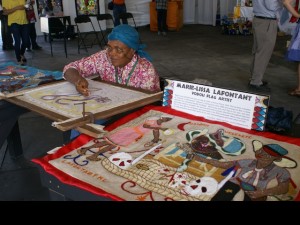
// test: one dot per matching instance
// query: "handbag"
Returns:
(30, 15)
(111, 5)
(279, 120)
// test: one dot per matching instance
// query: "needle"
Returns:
(144, 154)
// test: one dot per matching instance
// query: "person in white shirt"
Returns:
(265, 27)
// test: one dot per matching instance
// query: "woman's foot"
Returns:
(23, 59)
(36, 47)
(151, 143)
(21, 63)
(295, 92)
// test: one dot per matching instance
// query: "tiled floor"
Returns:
(195, 52)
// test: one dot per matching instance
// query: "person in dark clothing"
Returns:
(119, 7)
(7, 40)
(18, 25)
(161, 8)
(31, 21)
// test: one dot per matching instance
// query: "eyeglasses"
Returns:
(117, 49)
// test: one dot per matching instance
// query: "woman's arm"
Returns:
(72, 75)
(12, 10)
(288, 5)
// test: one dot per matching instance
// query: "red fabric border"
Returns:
(65, 178)
(82, 139)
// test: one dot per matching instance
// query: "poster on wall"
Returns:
(50, 8)
(87, 7)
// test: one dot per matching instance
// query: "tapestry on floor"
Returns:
(15, 78)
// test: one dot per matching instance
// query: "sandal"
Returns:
(295, 92)
(151, 143)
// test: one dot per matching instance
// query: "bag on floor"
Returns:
(111, 5)
(295, 132)
(279, 120)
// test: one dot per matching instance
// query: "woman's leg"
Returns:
(298, 87)
(164, 21)
(25, 38)
(296, 91)
(16, 32)
(159, 20)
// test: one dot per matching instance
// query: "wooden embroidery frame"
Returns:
(65, 123)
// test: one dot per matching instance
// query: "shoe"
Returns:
(28, 49)
(7, 48)
(264, 83)
(294, 92)
(158, 33)
(164, 33)
(23, 59)
(259, 88)
(37, 47)
(21, 63)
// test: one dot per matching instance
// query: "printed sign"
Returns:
(241, 109)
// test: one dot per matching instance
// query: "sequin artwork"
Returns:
(62, 98)
(15, 78)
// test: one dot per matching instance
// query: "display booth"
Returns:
(174, 15)
(162, 153)
(201, 142)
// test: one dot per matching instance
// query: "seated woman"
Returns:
(123, 62)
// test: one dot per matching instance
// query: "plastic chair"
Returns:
(107, 18)
(57, 30)
(129, 16)
(83, 36)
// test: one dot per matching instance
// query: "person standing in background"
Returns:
(57, 10)
(32, 31)
(265, 29)
(161, 8)
(19, 26)
(293, 52)
(119, 7)
(7, 40)
(48, 9)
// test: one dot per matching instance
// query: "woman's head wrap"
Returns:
(130, 37)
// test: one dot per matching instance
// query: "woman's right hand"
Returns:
(82, 86)
(72, 75)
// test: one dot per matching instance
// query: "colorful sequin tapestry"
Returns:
(158, 154)
(15, 78)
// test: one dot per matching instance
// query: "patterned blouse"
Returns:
(138, 73)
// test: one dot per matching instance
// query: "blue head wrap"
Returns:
(130, 37)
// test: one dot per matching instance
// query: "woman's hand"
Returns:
(82, 86)
(20, 7)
